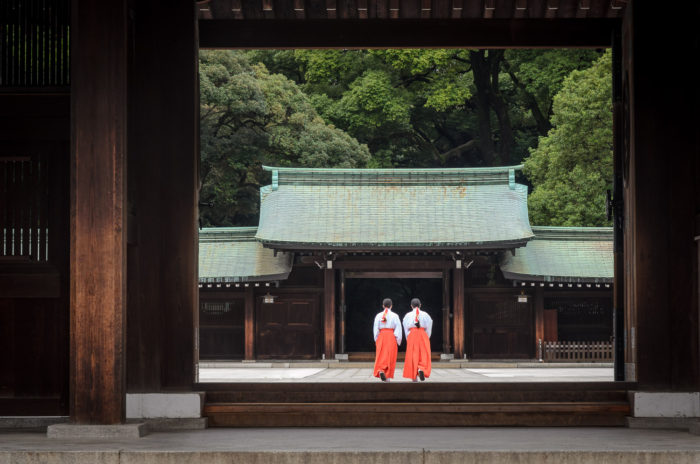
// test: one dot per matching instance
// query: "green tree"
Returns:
(250, 117)
(571, 168)
(434, 108)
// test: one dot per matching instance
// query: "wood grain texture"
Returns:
(98, 212)
(329, 313)
(662, 251)
(458, 319)
(163, 167)
(249, 323)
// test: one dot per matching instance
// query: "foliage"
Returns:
(250, 117)
(400, 108)
(433, 108)
(571, 168)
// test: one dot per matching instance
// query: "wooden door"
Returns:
(221, 328)
(289, 328)
(499, 327)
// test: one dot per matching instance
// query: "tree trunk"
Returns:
(482, 82)
(505, 147)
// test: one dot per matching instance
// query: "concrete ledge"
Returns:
(665, 404)
(695, 428)
(30, 423)
(661, 423)
(73, 431)
(167, 425)
(352, 457)
(164, 405)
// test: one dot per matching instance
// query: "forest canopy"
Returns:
(551, 109)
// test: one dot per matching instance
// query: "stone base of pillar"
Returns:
(72, 431)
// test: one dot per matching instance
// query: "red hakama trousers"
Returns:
(417, 353)
(387, 349)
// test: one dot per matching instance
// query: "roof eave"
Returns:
(549, 278)
(305, 246)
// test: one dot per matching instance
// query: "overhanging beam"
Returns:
(406, 33)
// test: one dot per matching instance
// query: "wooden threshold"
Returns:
(422, 404)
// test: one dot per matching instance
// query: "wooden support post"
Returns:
(539, 320)
(617, 211)
(342, 312)
(98, 212)
(446, 347)
(660, 223)
(249, 324)
(163, 189)
(329, 313)
(458, 320)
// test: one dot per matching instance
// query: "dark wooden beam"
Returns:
(663, 201)
(458, 320)
(394, 264)
(249, 323)
(163, 188)
(98, 212)
(379, 33)
(329, 313)
(393, 275)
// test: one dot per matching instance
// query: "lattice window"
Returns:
(24, 200)
(34, 43)
(215, 309)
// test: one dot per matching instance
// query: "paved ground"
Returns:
(360, 445)
(364, 374)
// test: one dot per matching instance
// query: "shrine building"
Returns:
(333, 243)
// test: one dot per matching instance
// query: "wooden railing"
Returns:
(577, 351)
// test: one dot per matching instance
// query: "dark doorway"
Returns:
(364, 301)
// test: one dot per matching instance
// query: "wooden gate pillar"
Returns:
(98, 211)
(163, 196)
(660, 169)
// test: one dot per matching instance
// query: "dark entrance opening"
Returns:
(364, 300)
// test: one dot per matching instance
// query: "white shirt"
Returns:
(392, 322)
(424, 318)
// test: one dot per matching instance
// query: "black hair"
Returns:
(387, 303)
(415, 303)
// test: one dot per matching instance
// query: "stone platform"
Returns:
(370, 445)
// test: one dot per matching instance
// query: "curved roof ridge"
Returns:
(215, 234)
(360, 171)
(394, 176)
(572, 233)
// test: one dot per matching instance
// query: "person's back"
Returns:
(387, 337)
(418, 326)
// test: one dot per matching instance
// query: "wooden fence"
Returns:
(578, 351)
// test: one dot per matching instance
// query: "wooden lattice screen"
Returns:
(34, 43)
(24, 201)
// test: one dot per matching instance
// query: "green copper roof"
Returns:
(231, 254)
(393, 208)
(563, 254)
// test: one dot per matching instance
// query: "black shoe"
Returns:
(421, 375)
(382, 376)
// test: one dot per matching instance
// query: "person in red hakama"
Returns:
(418, 326)
(387, 337)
